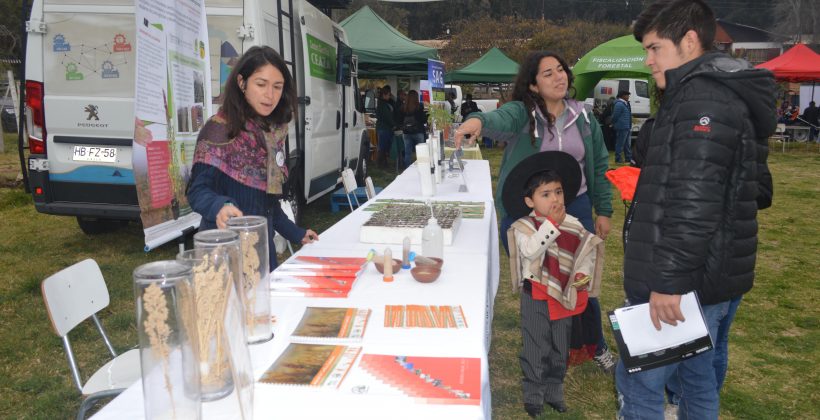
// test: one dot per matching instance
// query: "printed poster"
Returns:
(171, 86)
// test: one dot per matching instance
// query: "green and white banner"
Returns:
(322, 59)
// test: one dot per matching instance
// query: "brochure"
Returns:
(331, 324)
(429, 380)
(312, 365)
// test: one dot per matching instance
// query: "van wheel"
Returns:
(95, 226)
(364, 159)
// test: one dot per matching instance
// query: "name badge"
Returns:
(280, 158)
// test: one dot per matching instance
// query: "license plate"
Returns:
(94, 154)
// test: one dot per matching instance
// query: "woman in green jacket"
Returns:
(541, 117)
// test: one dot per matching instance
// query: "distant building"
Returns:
(753, 44)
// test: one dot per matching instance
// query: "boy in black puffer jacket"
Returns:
(692, 225)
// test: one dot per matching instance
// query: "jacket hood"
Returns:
(754, 86)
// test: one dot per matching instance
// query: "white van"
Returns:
(638, 97)
(80, 92)
(484, 105)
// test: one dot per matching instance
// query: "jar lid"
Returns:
(161, 270)
(246, 222)
(216, 236)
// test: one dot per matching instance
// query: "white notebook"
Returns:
(641, 337)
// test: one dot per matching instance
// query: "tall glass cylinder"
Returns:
(212, 287)
(253, 243)
(168, 343)
(228, 241)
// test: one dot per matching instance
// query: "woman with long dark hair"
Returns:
(239, 162)
(413, 122)
(542, 117)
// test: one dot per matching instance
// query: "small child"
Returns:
(554, 259)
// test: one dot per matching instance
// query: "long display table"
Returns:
(469, 279)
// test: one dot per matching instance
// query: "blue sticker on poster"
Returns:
(60, 45)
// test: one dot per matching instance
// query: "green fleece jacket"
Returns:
(511, 121)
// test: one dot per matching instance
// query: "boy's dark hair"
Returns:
(672, 19)
(540, 178)
(236, 108)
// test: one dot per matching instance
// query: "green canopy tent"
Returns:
(492, 67)
(383, 50)
(617, 58)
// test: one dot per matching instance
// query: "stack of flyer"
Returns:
(312, 276)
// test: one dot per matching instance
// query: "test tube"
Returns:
(388, 265)
(405, 253)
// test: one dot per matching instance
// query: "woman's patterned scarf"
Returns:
(255, 157)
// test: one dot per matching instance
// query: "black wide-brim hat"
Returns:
(513, 190)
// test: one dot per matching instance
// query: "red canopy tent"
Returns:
(799, 64)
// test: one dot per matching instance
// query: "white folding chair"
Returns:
(369, 188)
(73, 295)
(279, 241)
(350, 185)
(780, 135)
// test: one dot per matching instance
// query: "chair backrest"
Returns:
(349, 180)
(74, 294)
(780, 128)
(369, 188)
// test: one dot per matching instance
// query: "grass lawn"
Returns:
(774, 344)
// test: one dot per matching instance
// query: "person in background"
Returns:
(413, 125)
(793, 114)
(622, 124)
(541, 117)
(240, 157)
(639, 148)
(469, 106)
(553, 264)
(451, 99)
(810, 114)
(385, 124)
(606, 123)
(693, 223)
(398, 117)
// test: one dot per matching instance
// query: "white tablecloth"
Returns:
(469, 278)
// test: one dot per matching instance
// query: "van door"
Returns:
(323, 113)
(88, 80)
(640, 99)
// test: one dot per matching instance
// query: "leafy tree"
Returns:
(797, 17)
(575, 38)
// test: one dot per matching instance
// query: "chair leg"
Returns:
(89, 401)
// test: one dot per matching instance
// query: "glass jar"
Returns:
(253, 243)
(212, 287)
(229, 241)
(168, 340)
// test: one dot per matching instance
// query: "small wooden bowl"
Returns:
(438, 263)
(380, 265)
(425, 273)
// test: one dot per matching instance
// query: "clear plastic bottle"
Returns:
(432, 239)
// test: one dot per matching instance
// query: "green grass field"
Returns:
(774, 342)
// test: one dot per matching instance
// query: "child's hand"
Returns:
(581, 281)
(310, 237)
(557, 213)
